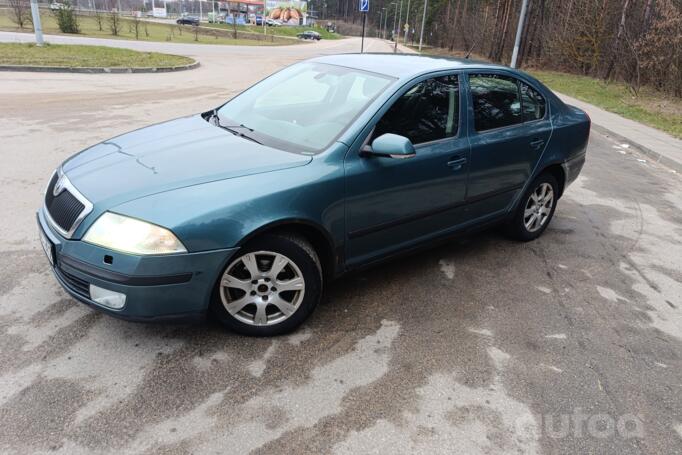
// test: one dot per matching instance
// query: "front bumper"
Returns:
(162, 287)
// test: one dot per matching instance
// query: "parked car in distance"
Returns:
(188, 20)
(247, 211)
(309, 34)
(215, 18)
(57, 6)
(272, 22)
(259, 19)
(240, 19)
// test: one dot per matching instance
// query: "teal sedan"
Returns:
(249, 210)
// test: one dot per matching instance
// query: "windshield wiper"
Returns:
(214, 118)
(241, 125)
(231, 129)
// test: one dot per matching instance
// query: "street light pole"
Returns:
(383, 26)
(519, 31)
(37, 26)
(386, 18)
(400, 19)
(421, 35)
(407, 22)
(395, 18)
(380, 14)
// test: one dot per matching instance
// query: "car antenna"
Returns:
(471, 50)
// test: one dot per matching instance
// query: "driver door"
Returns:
(394, 203)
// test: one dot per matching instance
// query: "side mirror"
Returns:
(392, 145)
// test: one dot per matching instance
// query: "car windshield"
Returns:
(304, 107)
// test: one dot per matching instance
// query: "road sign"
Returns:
(364, 6)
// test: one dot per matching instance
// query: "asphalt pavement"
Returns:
(568, 344)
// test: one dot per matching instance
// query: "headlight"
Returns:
(130, 235)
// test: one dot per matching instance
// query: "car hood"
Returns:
(170, 155)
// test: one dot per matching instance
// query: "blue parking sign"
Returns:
(364, 6)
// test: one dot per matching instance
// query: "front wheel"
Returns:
(535, 209)
(270, 287)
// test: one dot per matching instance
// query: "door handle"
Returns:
(457, 163)
(537, 143)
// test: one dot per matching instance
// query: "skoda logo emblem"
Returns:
(59, 186)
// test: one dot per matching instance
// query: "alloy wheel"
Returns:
(538, 207)
(262, 288)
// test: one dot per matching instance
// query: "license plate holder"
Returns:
(48, 246)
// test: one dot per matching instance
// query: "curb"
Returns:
(656, 156)
(98, 70)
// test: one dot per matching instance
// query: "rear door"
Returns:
(508, 132)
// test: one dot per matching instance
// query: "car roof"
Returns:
(404, 65)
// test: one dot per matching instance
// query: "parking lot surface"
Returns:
(568, 344)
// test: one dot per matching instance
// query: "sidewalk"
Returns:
(660, 146)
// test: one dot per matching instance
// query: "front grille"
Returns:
(74, 283)
(64, 208)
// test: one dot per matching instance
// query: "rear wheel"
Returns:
(270, 288)
(535, 210)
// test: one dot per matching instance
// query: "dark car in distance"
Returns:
(188, 20)
(309, 34)
(248, 210)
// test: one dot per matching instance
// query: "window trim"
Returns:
(470, 99)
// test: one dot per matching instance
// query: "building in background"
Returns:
(288, 12)
(246, 9)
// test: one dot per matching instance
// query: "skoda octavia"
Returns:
(248, 210)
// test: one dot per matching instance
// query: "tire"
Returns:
(530, 219)
(245, 300)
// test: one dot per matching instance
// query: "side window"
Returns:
(533, 103)
(496, 101)
(427, 112)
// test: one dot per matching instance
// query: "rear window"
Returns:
(496, 101)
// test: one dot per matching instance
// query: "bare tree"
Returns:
(619, 38)
(114, 22)
(20, 12)
(99, 19)
(135, 25)
(661, 48)
(638, 42)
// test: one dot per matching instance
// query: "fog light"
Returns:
(107, 298)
